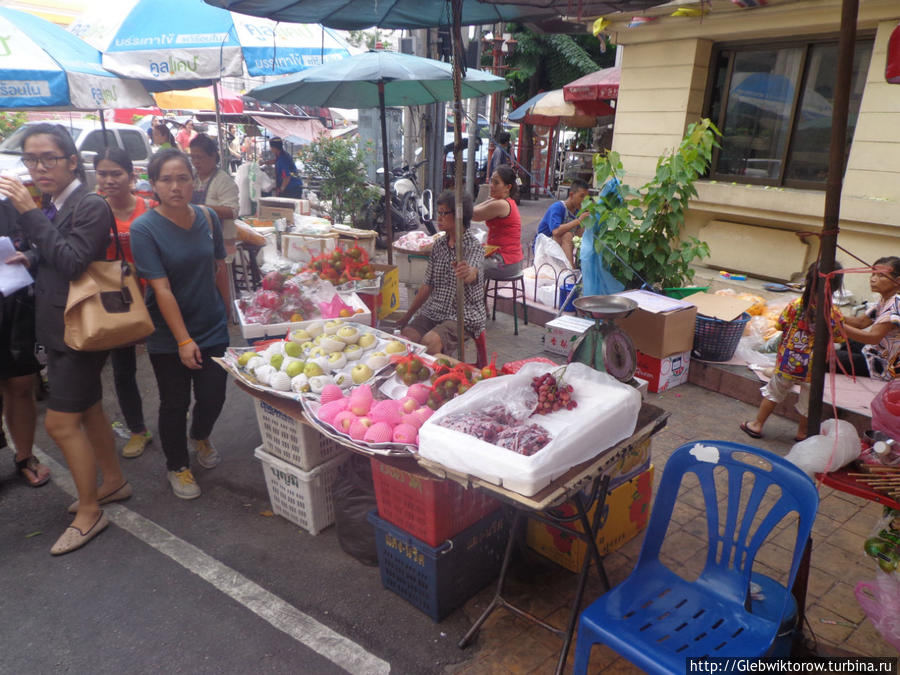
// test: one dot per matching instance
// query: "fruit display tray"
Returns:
(264, 331)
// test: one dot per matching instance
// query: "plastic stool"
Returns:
(517, 284)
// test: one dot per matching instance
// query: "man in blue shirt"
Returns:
(287, 181)
(560, 221)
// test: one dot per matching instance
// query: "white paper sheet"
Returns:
(12, 277)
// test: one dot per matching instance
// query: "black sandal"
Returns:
(31, 464)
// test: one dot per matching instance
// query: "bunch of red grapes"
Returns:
(552, 394)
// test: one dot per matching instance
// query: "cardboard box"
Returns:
(562, 332)
(628, 510)
(724, 307)
(387, 299)
(272, 208)
(663, 374)
(661, 326)
(305, 247)
(351, 236)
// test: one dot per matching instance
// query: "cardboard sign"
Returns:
(724, 307)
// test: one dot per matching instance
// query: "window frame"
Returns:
(806, 44)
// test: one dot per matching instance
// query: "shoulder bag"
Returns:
(105, 308)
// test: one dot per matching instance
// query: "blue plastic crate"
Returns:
(439, 579)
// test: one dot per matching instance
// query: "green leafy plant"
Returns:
(638, 232)
(338, 162)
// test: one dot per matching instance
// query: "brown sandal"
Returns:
(30, 471)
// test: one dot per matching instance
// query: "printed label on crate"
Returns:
(274, 411)
(496, 527)
(411, 552)
(413, 481)
(285, 477)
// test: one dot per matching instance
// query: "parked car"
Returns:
(89, 141)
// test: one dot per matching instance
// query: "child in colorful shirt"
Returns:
(792, 362)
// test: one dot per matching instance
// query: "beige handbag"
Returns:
(105, 308)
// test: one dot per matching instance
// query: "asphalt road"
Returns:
(203, 586)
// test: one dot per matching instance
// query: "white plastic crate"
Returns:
(305, 498)
(291, 440)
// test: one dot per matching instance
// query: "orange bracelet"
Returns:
(186, 342)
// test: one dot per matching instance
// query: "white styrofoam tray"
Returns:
(272, 330)
(606, 414)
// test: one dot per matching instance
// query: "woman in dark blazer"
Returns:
(70, 232)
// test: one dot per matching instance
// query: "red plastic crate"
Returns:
(430, 509)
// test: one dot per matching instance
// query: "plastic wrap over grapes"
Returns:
(524, 439)
(480, 425)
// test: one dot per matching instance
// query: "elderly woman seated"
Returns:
(431, 318)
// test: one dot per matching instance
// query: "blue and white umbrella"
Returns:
(182, 44)
(43, 66)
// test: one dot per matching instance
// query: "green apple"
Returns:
(293, 349)
(366, 340)
(307, 346)
(360, 373)
(312, 369)
(276, 360)
(295, 368)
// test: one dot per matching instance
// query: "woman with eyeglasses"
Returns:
(69, 233)
(435, 325)
(179, 249)
(875, 351)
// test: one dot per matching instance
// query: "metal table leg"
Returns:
(597, 494)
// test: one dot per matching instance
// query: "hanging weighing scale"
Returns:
(604, 346)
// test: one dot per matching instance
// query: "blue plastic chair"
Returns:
(655, 618)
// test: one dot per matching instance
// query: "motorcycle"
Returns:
(411, 208)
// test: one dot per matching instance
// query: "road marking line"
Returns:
(303, 628)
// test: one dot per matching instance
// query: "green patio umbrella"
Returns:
(377, 79)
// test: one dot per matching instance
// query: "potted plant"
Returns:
(338, 163)
(638, 232)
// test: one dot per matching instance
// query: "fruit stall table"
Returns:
(585, 485)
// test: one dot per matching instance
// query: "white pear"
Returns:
(348, 334)
(336, 360)
(315, 328)
(300, 336)
(367, 340)
(288, 360)
(353, 352)
(317, 383)
(280, 381)
(264, 373)
(329, 344)
(360, 373)
(255, 362)
(394, 347)
(378, 360)
(343, 380)
(331, 327)
(300, 384)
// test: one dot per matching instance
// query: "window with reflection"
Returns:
(773, 105)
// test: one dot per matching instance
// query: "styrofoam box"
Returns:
(411, 266)
(304, 247)
(279, 330)
(606, 414)
(293, 440)
(305, 498)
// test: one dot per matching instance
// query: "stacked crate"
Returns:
(300, 466)
(438, 543)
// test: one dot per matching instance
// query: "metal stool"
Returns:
(517, 284)
(245, 271)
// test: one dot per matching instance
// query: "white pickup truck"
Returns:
(89, 140)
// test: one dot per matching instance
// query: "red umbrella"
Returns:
(597, 86)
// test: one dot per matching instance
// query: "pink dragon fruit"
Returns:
(273, 281)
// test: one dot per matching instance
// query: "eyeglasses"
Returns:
(47, 161)
(445, 213)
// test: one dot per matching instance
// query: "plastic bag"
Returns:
(354, 498)
(883, 546)
(886, 410)
(880, 600)
(836, 446)
(596, 279)
(548, 252)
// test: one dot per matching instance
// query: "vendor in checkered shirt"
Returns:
(434, 307)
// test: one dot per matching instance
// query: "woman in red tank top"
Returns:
(501, 215)
(115, 180)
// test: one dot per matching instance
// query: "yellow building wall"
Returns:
(664, 76)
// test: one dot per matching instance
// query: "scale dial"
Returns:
(619, 358)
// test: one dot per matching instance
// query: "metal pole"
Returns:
(103, 129)
(223, 160)
(388, 227)
(458, 174)
(839, 115)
